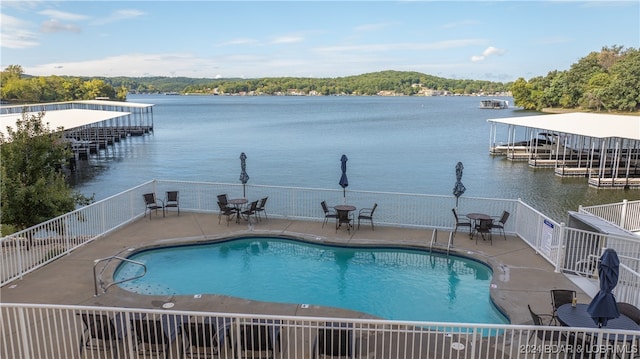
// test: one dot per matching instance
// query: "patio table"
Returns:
(343, 215)
(578, 316)
(237, 203)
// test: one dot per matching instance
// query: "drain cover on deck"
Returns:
(457, 346)
(168, 305)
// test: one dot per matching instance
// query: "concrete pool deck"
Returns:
(520, 276)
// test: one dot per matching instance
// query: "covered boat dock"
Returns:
(89, 126)
(601, 147)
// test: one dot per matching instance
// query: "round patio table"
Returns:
(342, 208)
(578, 316)
(238, 202)
(475, 217)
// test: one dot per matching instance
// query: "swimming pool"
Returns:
(392, 283)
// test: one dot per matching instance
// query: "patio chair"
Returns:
(171, 201)
(152, 203)
(542, 334)
(223, 198)
(226, 211)
(560, 297)
(151, 336)
(460, 223)
(258, 338)
(343, 217)
(251, 211)
(484, 228)
(367, 215)
(261, 207)
(501, 223)
(334, 340)
(99, 333)
(328, 213)
(630, 311)
(205, 338)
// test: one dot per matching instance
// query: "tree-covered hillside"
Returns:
(608, 80)
(376, 83)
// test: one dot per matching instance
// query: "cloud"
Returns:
(119, 15)
(52, 26)
(164, 64)
(490, 51)
(287, 39)
(373, 27)
(461, 23)
(14, 34)
(239, 41)
(61, 15)
(440, 45)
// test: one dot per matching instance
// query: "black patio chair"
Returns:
(483, 228)
(151, 336)
(328, 213)
(258, 336)
(224, 199)
(251, 211)
(261, 207)
(542, 334)
(630, 311)
(560, 297)
(171, 200)
(152, 203)
(367, 215)
(343, 217)
(501, 223)
(226, 211)
(334, 340)
(99, 333)
(460, 223)
(204, 338)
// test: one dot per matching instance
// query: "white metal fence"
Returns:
(56, 331)
(625, 214)
(45, 331)
(568, 249)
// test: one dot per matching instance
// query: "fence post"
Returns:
(623, 215)
(24, 333)
(560, 252)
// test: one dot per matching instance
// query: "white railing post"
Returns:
(24, 334)
(561, 247)
(623, 214)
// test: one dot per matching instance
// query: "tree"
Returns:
(521, 92)
(33, 188)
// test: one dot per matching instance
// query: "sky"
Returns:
(479, 40)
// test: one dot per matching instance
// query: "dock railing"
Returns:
(62, 331)
(625, 214)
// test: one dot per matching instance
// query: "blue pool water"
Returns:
(391, 283)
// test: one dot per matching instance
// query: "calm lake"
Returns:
(394, 144)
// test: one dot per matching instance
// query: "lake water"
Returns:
(394, 144)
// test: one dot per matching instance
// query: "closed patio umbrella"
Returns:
(244, 177)
(344, 182)
(603, 306)
(458, 188)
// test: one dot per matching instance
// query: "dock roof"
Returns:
(66, 119)
(579, 123)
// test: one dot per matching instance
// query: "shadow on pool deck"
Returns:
(520, 276)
